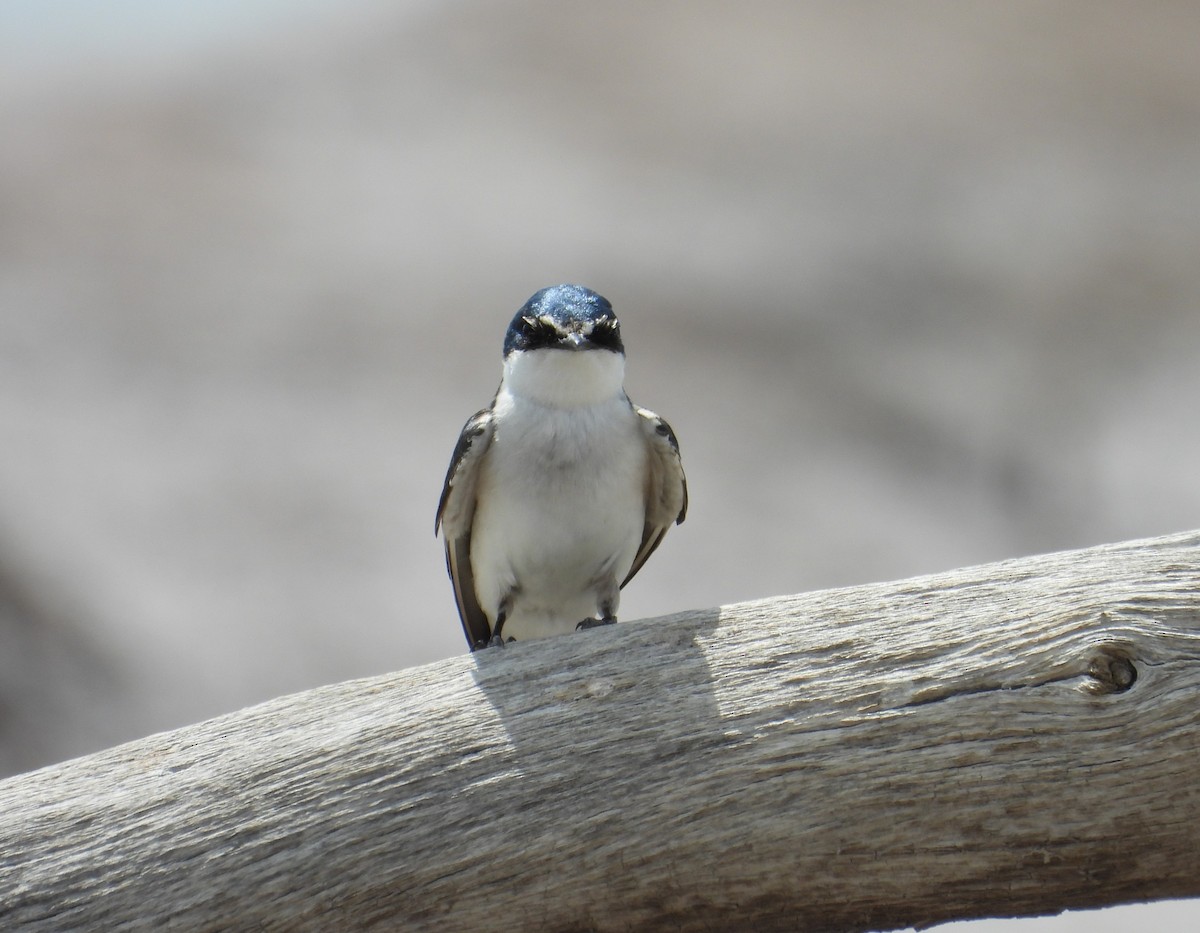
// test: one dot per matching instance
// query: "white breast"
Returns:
(560, 506)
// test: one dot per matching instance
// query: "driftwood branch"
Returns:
(1011, 739)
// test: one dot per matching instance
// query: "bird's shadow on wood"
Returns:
(602, 719)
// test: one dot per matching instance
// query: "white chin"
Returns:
(565, 378)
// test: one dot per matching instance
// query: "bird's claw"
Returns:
(595, 623)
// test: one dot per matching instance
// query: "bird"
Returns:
(559, 490)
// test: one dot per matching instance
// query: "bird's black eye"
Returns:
(606, 332)
(537, 332)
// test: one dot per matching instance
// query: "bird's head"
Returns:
(563, 348)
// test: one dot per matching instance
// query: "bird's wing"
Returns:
(455, 514)
(666, 486)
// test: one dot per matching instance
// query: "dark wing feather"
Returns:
(455, 514)
(666, 487)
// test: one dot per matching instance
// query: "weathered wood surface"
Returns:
(1010, 739)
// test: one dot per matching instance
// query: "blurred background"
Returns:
(918, 286)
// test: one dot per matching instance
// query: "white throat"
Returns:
(564, 378)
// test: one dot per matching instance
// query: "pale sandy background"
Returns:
(918, 285)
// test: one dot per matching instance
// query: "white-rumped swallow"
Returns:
(560, 490)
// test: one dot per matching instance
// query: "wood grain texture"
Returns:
(1011, 739)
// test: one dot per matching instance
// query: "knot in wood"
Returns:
(1111, 670)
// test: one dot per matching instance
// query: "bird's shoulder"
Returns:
(666, 486)
(473, 442)
(656, 428)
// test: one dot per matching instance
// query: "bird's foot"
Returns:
(594, 623)
(496, 641)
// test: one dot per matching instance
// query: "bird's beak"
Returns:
(576, 341)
